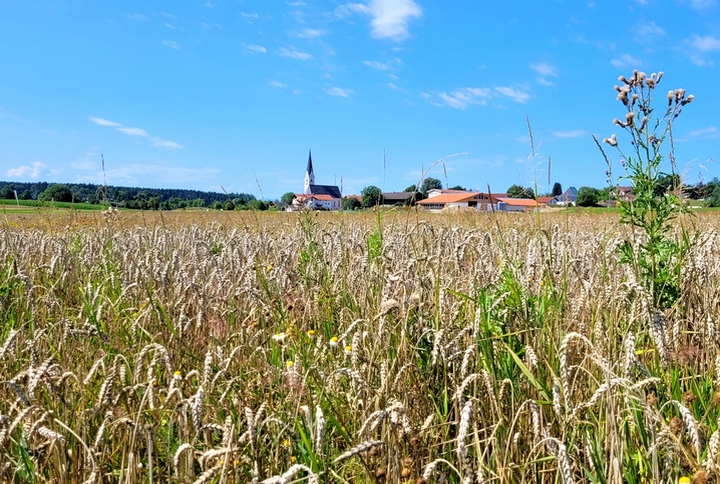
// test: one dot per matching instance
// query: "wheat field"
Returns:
(389, 347)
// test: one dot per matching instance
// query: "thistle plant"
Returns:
(656, 259)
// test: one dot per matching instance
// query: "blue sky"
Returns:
(232, 93)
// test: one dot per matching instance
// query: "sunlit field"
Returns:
(396, 346)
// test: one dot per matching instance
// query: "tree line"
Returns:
(128, 197)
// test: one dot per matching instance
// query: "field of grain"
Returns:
(351, 348)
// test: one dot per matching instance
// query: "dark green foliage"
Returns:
(57, 193)
(350, 203)
(430, 184)
(587, 197)
(287, 198)
(519, 191)
(371, 196)
(557, 189)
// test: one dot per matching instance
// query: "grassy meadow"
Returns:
(398, 347)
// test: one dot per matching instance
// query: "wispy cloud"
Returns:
(249, 15)
(172, 44)
(701, 5)
(700, 47)
(649, 31)
(463, 97)
(294, 54)
(544, 82)
(625, 60)
(132, 131)
(296, 4)
(277, 84)
(390, 18)
(337, 91)
(104, 122)
(575, 133)
(711, 132)
(256, 48)
(517, 95)
(545, 69)
(467, 96)
(383, 66)
(137, 16)
(309, 33)
(33, 171)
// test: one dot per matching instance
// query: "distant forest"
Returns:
(128, 197)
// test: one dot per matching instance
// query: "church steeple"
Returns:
(309, 174)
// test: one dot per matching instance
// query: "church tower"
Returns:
(309, 174)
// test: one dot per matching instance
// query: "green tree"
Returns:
(411, 188)
(587, 197)
(715, 197)
(519, 191)
(56, 193)
(228, 205)
(6, 193)
(216, 205)
(350, 203)
(430, 184)
(257, 205)
(371, 196)
(557, 189)
(287, 198)
(457, 187)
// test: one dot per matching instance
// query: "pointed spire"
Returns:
(309, 166)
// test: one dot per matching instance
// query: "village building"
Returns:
(324, 197)
(401, 198)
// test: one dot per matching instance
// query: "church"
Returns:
(314, 196)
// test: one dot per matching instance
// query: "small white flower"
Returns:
(279, 336)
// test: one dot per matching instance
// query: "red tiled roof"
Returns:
(520, 202)
(457, 197)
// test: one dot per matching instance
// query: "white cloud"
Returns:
(705, 44)
(545, 69)
(383, 66)
(296, 4)
(625, 60)
(33, 171)
(392, 86)
(700, 46)
(172, 44)
(249, 15)
(256, 48)
(165, 143)
(650, 30)
(517, 95)
(575, 133)
(336, 91)
(701, 4)
(703, 132)
(274, 83)
(310, 33)
(137, 16)
(131, 131)
(104, 122)
(294, 54)
(462, 98)
(544, 82)
(390, 18)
